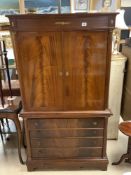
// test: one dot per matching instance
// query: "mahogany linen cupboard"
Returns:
(63, 62)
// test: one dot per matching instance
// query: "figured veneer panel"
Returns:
(61, 79)
(42, 71)
(85, 64)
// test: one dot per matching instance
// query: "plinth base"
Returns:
(67, 164)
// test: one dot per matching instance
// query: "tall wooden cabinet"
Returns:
(63, 64)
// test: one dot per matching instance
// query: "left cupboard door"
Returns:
(39, 60)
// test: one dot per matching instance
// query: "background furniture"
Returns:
(64, 69)
(9, 106)
(5, 35)
(1, 134)
(11, 112)
(125, 128)
(115, 93)
(126, 100)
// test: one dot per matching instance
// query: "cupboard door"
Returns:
(85, 56)
(40, 67)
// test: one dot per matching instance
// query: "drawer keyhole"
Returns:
(84, 24)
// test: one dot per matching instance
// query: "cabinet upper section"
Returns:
(62, 22)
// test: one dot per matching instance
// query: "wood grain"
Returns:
(125, 128)
(41, 73)
(86, 69)
(49, 68)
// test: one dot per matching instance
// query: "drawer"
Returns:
(49, 133)
(60, 23)
(65, 123)
(66, 152)
(66, 142)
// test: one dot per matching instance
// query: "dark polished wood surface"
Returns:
(66, 72)
(125, 128)
(63, 63)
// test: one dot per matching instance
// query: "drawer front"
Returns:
(65, 123)
(49, 133)
(66, 152)
(66, 142)
(59, 24)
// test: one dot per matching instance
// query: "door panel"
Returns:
(41, 66)
(74, 85)
(85, 61)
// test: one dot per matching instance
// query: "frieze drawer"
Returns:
(60, 23)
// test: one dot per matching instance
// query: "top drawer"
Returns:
(65, 123)
(61, 22)
(65, 24)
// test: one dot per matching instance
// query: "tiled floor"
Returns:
(9, 163)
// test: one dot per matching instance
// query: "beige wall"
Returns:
(125, 3)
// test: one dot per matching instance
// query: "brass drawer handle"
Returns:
(95, 123)
(62, 23)
(36, 124)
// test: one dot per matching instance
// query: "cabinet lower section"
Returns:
(66, 143)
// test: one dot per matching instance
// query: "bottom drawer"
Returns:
(66, 152)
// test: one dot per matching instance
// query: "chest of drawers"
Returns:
(66, 138)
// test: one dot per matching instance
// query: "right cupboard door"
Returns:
(85, 61)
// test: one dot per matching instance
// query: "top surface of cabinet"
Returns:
(63, 64)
